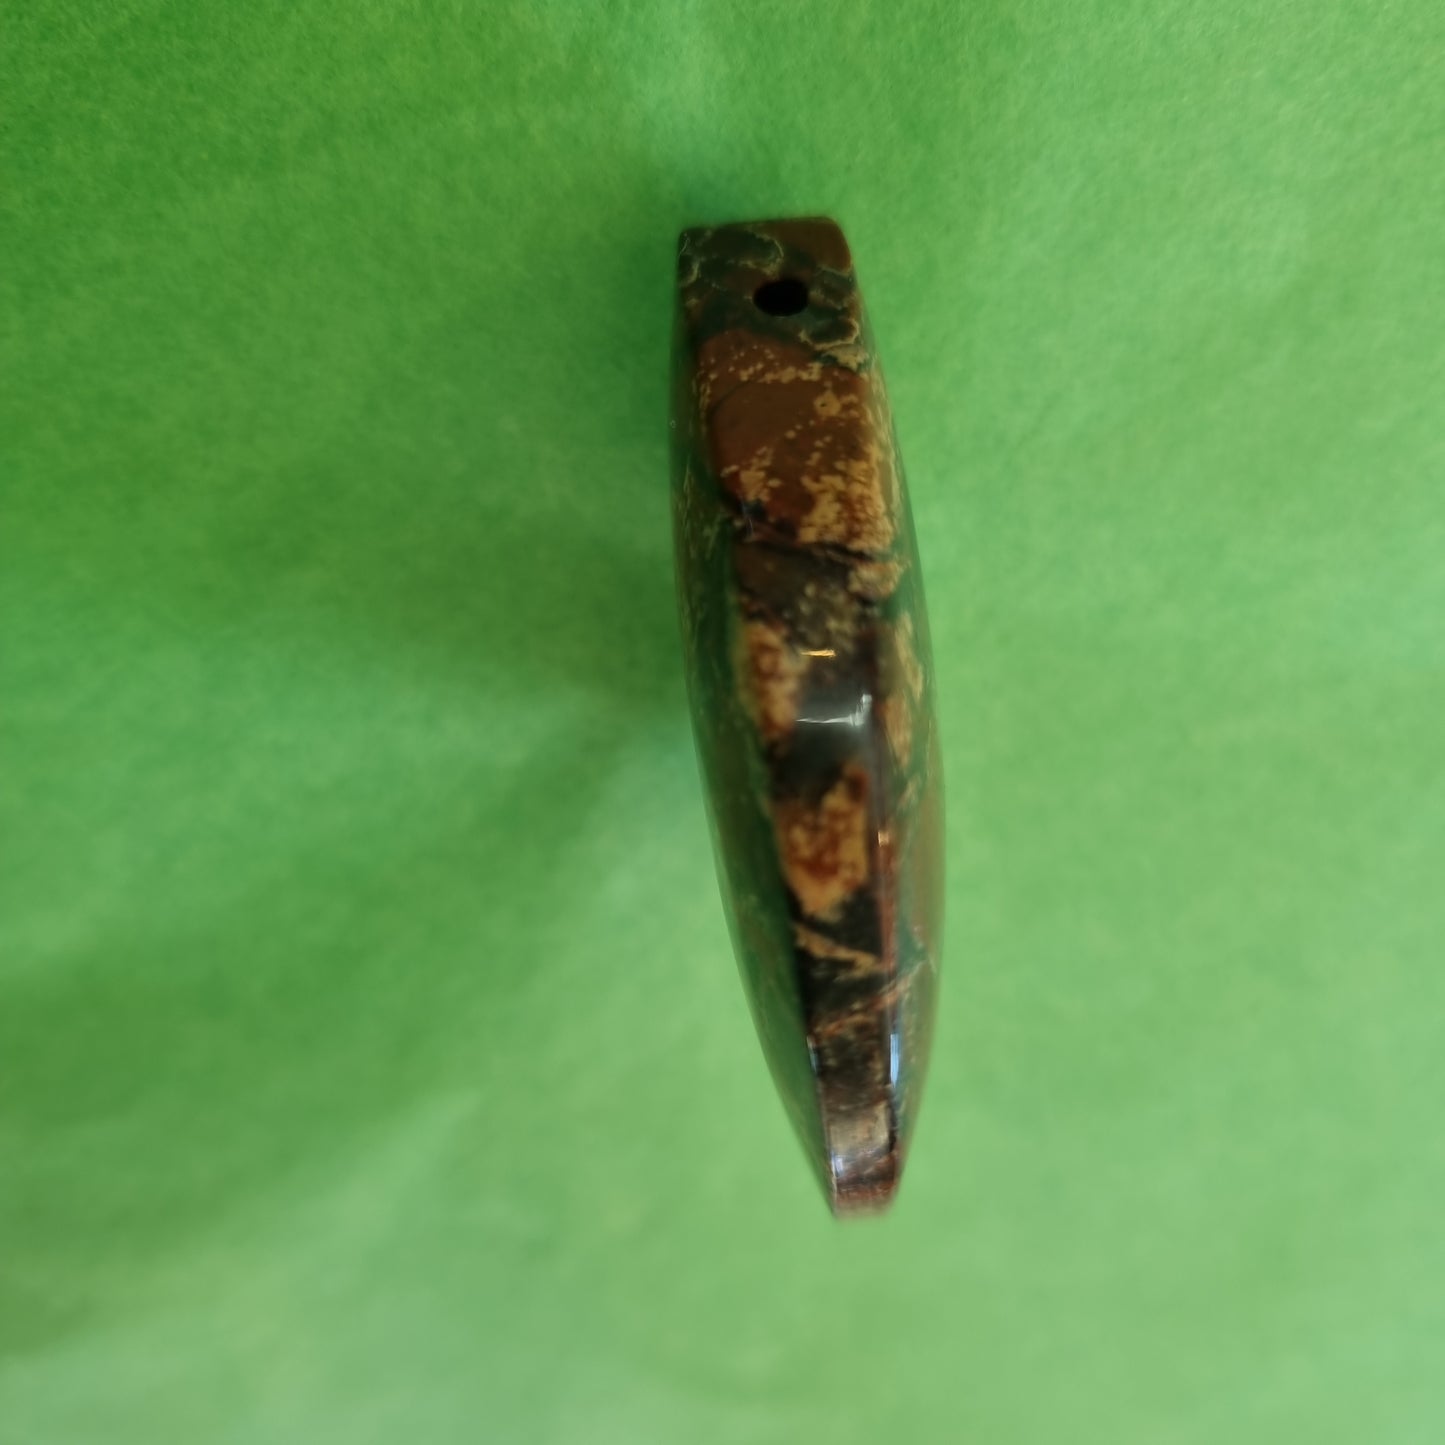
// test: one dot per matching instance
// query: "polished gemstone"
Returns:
(808, 667)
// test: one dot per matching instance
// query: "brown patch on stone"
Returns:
(817, 237)
(805, 598)
(799, 440)
(824, 846)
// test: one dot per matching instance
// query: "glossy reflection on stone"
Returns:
(808, 667)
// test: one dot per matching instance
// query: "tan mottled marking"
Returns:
(824, 847)
(898, 724)
(821, 946)
(773, 672)
(851, 505)
(875, 580)
(808, 443)
(852, 354)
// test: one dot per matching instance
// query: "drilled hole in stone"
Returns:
(784, 297)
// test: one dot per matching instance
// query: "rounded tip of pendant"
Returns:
(853, 1199)
(865, 1164)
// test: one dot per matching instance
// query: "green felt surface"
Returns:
(372, 1061)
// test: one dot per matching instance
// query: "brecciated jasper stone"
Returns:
(808, 666)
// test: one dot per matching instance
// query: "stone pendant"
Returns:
(808, 667)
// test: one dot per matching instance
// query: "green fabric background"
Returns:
(373, 1065)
